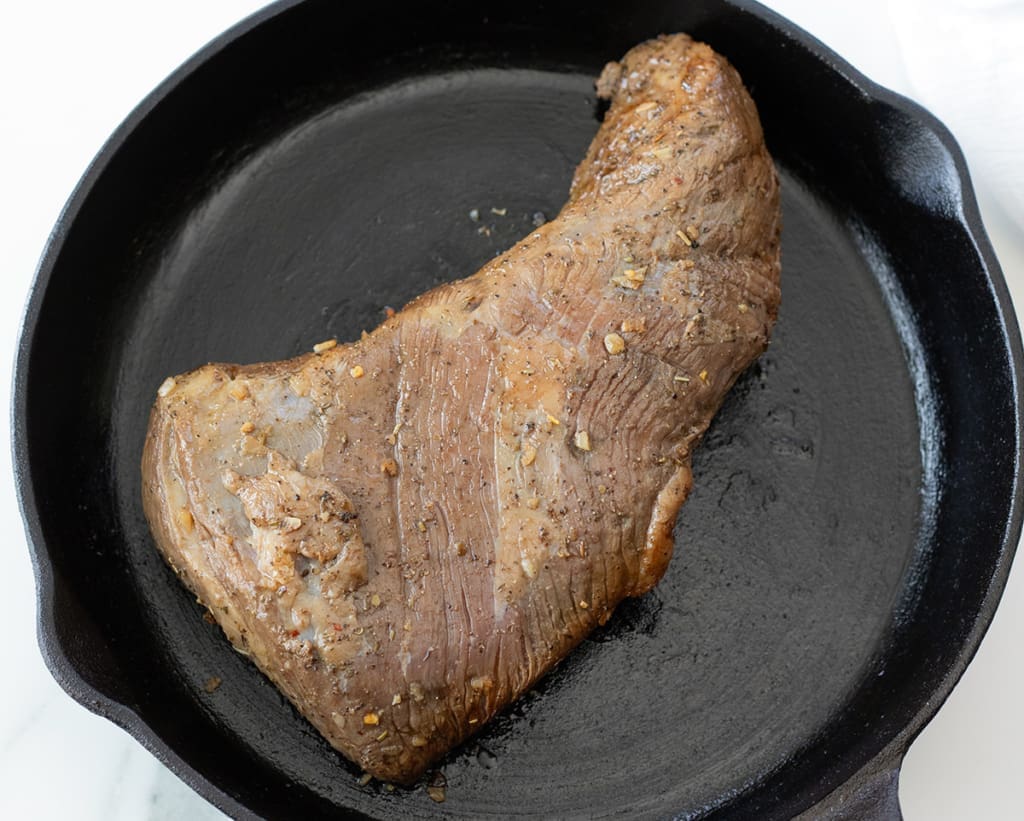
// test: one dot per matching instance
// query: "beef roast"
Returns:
(405, 532)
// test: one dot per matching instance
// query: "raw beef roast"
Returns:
(404, 533)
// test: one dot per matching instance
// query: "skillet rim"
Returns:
(73, 682)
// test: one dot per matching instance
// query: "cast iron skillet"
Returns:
(856, 503)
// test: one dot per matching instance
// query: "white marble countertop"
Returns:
(70, 71)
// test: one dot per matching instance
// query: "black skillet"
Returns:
(856, 503)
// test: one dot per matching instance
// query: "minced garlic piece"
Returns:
(743, 307)
(166, 386)
(479, 683)
(583, 605)
(614, 344)
(390, 467)
(396, 699)
(326, 345)
(624, 282)
(375, 600)
(684, 238)
(248, 427)
(703, 376)
(290, 523)
(582, 440)
(371, 719)
(186, 520)
(529, 455)
(634, 325)
(631, 278)
(356, 371)
(533, 503)
(238, 392)
(418, 741)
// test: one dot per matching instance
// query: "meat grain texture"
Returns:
(404, 533)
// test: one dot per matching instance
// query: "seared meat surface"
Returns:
(404, 533)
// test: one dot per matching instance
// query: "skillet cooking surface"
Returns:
(787, 546)
(807, 587)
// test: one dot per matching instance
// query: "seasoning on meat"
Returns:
(402, 582)
(614, 344)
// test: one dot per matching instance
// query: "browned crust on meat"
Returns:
(498, 501)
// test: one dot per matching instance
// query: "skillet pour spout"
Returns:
(856, 503)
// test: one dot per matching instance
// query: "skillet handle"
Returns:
(868, 796)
